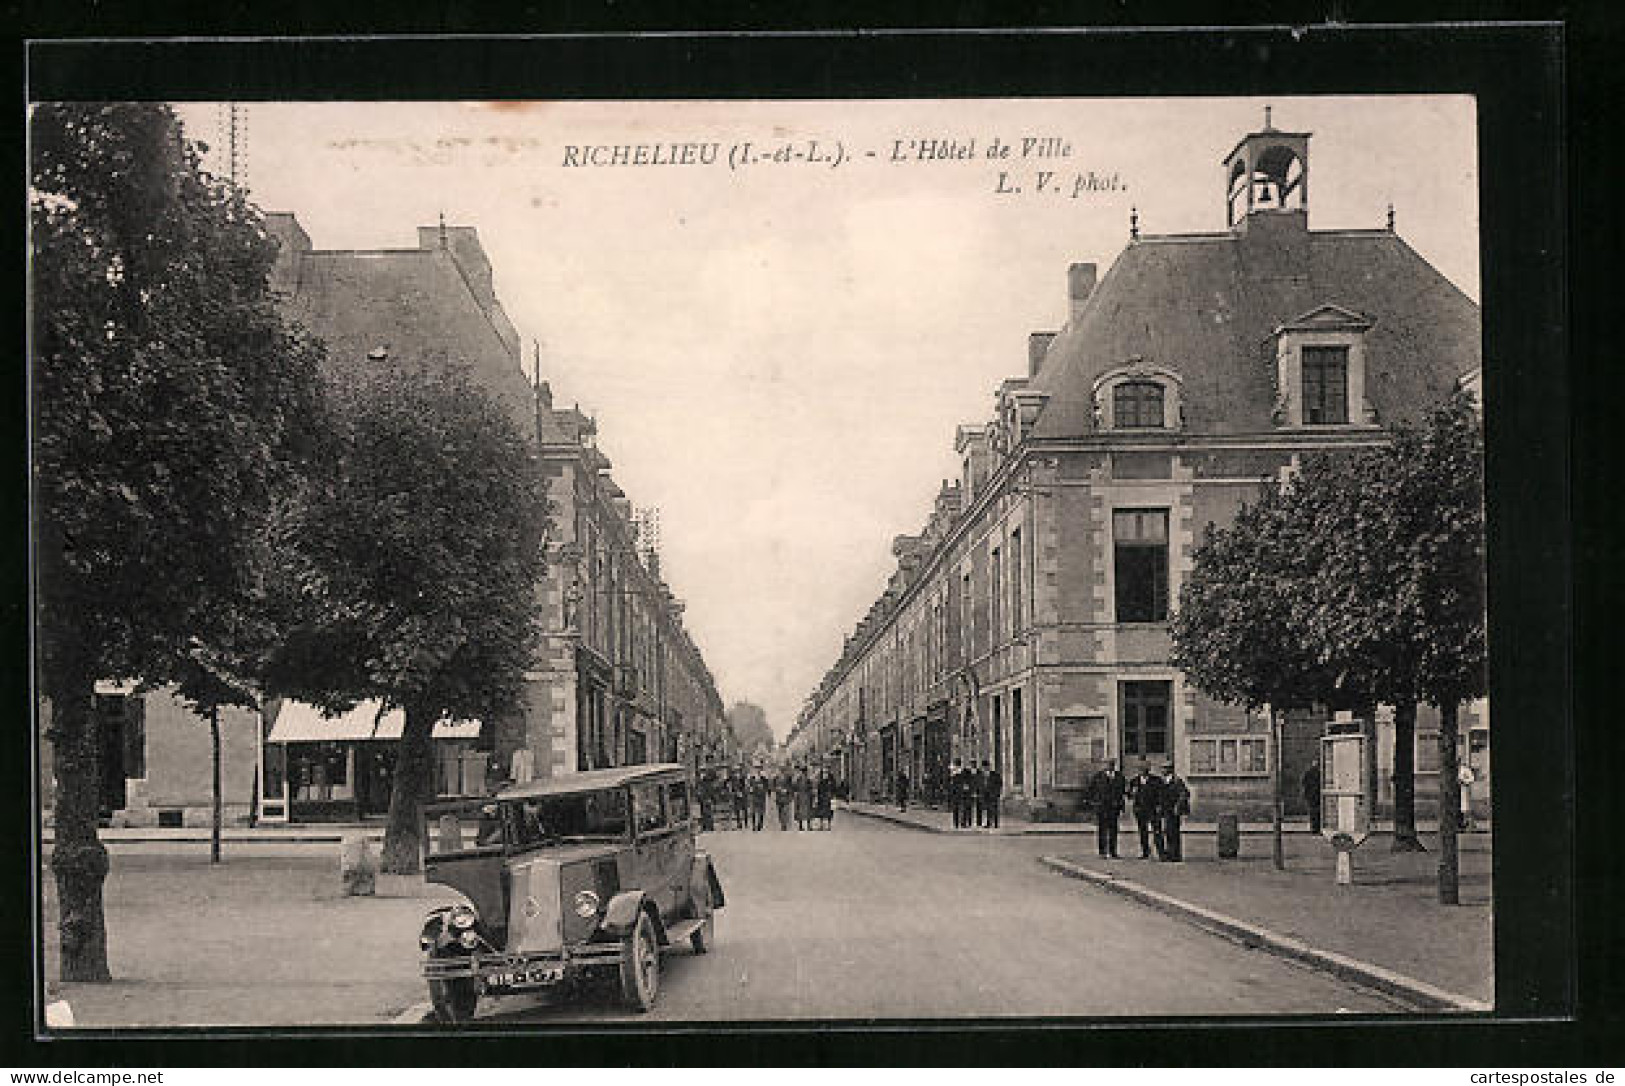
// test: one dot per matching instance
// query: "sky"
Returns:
(778, 352)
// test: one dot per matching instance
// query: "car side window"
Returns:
(649, 807)
(677, 802)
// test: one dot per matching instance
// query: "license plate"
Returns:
(526, 978)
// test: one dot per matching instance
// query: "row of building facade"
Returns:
(616, 678)
(1026, 622)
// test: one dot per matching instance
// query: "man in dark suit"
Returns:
(1145, 795)
(992, 793)
(978, 791)
(1176, 804)
(1107, 790)
(958, 794)
(1311, 794)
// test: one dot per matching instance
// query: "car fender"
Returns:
(621, 915)
(705, 869)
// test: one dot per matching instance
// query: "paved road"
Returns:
(876, 921)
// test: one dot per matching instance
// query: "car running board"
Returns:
(678, 931)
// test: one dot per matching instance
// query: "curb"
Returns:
(1256, 936)
(909, 823)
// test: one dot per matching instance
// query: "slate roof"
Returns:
(418, 303)
(1207, 305)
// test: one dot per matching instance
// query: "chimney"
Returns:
(1080, 283)
(1037, 347)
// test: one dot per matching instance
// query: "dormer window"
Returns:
(1138, 396)
(1320, 370)
(1326, 386)
(1137, 405)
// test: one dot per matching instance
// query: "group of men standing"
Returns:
(795, 793)
(975, 794)
(1160, 805)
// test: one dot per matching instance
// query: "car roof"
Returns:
(590, 780)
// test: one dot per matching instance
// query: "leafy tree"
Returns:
(415, 566)
(1236, 633)
(1404, 596)
(170, 405)
(1398, 602)
(1360, 582)
(748, 723)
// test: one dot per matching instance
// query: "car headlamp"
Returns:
(462, 918)
(586, 904)
(469, 938)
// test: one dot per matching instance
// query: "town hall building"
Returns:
(1027, 623)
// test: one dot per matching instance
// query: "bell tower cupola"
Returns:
(1267, 173)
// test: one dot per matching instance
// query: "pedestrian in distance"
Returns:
(1145, 795)
(992, 793)
(739, 799)
(902, 790)
(959, 787)
(1107, 790)
(784, 787)
(708, 799)
(1311, 794)
(756, 786)
(1464, 781)
(802, 794)
(978, 792)
(1176, 804)
(824, 799)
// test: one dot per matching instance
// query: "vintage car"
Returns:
(594, 872)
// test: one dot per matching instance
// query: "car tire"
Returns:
(640, 965)
(706, 934)
(454, 1000)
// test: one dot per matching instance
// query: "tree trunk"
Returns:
(217, 812)
(403, 837)
(78, 860)
(1278, 733)
(1449, 801)
(1405, 838)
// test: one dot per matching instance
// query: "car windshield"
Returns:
(573, 816)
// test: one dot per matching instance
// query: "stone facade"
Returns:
(1184, 383)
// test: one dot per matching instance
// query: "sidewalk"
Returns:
(261, 940)
(312, 833)
(941, 821)
(1387, 930)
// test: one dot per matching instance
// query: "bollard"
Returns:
(358, 867)
(1229, 837)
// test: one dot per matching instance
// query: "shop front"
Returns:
(315, 768)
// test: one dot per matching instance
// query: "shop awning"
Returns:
(297, 722)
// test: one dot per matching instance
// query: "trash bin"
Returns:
(1229, 837)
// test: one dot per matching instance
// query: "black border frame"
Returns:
(1517, 74)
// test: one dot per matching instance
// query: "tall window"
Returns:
(1140, 541)
(1325, 385)
(965, 617)
(1137, 405)
(1017, 727)
(1145, 718)
(995, 623)
(1015, 581)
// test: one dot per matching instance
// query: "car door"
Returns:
(680, 853)
(651, 850)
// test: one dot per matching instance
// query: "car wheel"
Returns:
(706, 934)
(454, 1000)
(640, 965)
